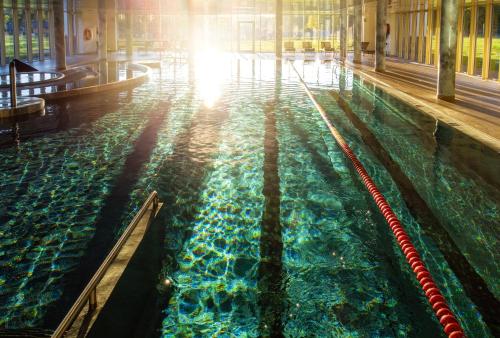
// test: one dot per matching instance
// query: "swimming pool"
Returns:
(267, 229)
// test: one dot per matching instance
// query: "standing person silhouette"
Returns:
(388, 39)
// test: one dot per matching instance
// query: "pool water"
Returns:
(267, 229)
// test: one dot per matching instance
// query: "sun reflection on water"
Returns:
(209, 68)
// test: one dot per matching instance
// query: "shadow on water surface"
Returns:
(109, 221)
(381, 242)
(270, 272)
(474, 286)
(181, 182)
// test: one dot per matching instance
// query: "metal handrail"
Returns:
(90, 292)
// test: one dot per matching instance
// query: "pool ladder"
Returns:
(89, 294)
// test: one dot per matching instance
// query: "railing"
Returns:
(89, 294)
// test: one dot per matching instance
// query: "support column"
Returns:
(279, 29)
(102, 28)
(421, 30)
(71, 33)
(447, 50)
(15, 26)
(52, 26)
(380, 41)
(343, 30)
(407, 29)
(438, 32)
(41, 32)
(400, 20)
(59, 40)
(2, 35)
(29, 42)
(413, 32)
(128, 28)
(487, 40)
(112, 32)
(428, 44)
(460, 29)
(358, 13)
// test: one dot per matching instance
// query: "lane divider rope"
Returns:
(450, 324)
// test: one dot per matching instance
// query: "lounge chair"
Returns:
(307, 46)
(326, 47)
(289, 48)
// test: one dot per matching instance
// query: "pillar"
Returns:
(29, 43)
(52, 26)
(401, 32)
(2, 35)
(428, 46)
(421, 29)
(358, 13)
(381, 30)
(192, 29)
(59, 39)
(102, 31)
(128, 28)
(279, 29)
(71, 32)
(413, 31)
(41, 32)
(112, 33)
(438, 31)
(447, 50)
(487, 39)
(15, 27)
(343, 30)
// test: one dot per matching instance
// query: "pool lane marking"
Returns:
(448, 320)
(473, 284)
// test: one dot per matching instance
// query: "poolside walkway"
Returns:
(476, 110)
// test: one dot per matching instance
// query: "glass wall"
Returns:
(495, 44)
(478, 45)
(9, 31)
(434, 31)
(304, 22)
(26, 29)
(466, 32)
(480, 34)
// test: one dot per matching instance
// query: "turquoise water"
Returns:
(268, 230)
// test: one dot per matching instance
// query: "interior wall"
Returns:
(87, 21)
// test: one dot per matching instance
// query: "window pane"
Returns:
(495, 43)
(481, 13)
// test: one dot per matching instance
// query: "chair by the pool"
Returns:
(326, 47)
(289, 47)
(307, 46)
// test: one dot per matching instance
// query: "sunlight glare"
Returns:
(209, 72)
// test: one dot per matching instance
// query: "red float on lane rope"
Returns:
(450, 324)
